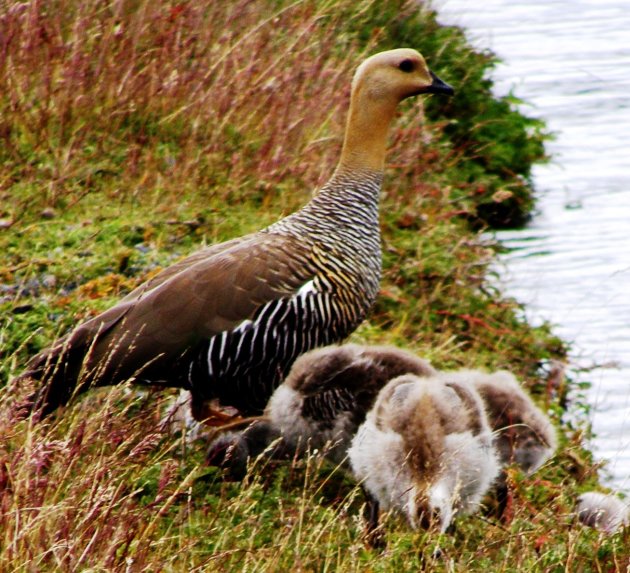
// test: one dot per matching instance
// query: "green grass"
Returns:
(134, 133)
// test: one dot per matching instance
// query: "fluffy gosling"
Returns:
(523, 434)
(320, 405)
(425, 450)
(603, 511)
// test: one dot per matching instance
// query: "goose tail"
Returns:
(52, 377)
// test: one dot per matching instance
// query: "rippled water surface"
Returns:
(570, 60)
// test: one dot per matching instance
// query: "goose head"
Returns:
(396, 75)
(380, 83)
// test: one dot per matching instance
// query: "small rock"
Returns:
(142, 247)
(49, 281)
(502, 195)
(6, 223)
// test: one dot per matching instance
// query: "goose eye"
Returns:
(406, 66)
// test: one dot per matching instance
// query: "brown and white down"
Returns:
(602, 511)
(320, 405)
(523, 434)
(425, 450)
(329, 391)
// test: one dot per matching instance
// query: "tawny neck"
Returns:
(367, 127)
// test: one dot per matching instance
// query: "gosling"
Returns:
(602, 511)
(319, 406)
(425, 451)
(523, 434)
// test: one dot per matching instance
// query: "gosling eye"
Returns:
(406, 66)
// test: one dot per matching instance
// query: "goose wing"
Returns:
(212, 291)
(202, 254)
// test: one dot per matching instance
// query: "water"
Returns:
(570, 60)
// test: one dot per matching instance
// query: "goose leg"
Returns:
(232, 450)
(503, 495)
(373, 533)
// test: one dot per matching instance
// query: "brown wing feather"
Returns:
(143, 335)
(212, 295)
(183, 264)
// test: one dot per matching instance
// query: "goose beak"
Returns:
(439, 87)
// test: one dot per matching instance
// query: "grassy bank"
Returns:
(135, 132)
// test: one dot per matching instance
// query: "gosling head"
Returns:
(395, 75)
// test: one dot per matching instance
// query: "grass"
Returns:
(135, 132)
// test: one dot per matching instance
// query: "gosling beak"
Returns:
(439, 87)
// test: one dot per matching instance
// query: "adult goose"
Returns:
(227, 322)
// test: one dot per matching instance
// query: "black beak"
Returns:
(439, 87)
